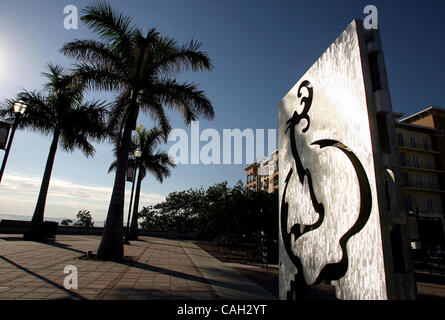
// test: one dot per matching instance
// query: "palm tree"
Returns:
(60, 112)
(141, 67)
(157, 163)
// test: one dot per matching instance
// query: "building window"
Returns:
(432, 184)
(418, 181)
(429, 204)
(428, 163)
(409, 202)
(403, 159)
(425, 144)
(415, 161)
(275, 181)
(250, 179)
(405, 179)
(412, 142)
(400, 139)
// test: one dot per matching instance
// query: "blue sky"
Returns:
(259, 50)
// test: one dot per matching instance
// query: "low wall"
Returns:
(96, 231)
(170, 234)
(20, 227)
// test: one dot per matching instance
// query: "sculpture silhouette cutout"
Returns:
(330, 271)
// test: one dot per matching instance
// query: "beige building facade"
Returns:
(422, 159)
(263, 176)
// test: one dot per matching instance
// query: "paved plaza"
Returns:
(159, 269)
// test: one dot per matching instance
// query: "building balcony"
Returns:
(422, 186)
(410, 165)
(417, 147)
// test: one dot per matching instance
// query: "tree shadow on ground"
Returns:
(71, 293)
(61, 246)
(49, 243)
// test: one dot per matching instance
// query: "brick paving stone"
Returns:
(162, 270)
(35, 295)
(11, 294)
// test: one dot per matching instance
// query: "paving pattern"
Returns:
(161, 269)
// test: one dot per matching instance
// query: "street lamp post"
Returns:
(19, 109)
(137, 155)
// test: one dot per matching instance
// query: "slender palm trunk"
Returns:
(33, 233)
(111, 246)
(133, 234)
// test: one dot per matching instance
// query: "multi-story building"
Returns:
(264, 174)
(252, 177)
(422, 159)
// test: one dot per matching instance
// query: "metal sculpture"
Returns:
(331, 271)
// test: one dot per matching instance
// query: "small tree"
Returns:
(222, 213)
(84, 219)
(154, 220)
(66, 222)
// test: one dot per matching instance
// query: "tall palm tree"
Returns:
(59, 111)
(141, 67)
(157, 163)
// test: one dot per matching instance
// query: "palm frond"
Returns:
(185, 98)
(62, 85)
(117, 117)
(81, 123)
(69, 143)
(39, 117)
(149, 103)
(111, 26)
(159, 165)
(99, 76)
(94, 52)
(169, 57)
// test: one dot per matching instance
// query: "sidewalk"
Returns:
(226, 281)
(161, 269)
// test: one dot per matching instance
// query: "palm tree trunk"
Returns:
(34, 231)
(133, 234)
(111, 246)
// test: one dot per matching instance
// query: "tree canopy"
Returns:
(223, 213)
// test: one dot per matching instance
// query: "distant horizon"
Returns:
(59, 220)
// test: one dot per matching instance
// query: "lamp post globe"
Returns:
(138, 153)
(19, 108)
